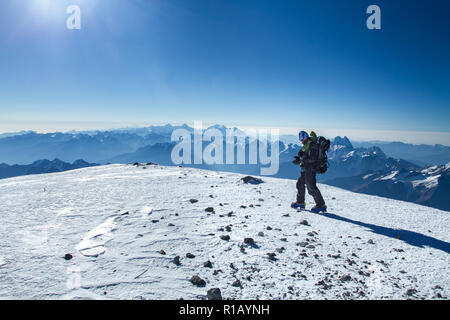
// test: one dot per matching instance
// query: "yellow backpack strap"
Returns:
(305, 148)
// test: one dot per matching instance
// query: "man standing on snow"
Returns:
(308, 160)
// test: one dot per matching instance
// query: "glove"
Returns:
(296, 161)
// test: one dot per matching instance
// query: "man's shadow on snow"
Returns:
(413, 238)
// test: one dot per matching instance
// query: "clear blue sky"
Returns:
(237, 62)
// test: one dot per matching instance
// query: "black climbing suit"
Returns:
(308, 161)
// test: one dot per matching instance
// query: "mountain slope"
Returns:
(116, 219)
(20, 149)
(349, 168)
(428, 186)
(347, 161)
(343, 158)
(421, 154)
(41, 166)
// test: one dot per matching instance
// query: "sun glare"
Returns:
(46, 8)
(43, 4)
(52, 9)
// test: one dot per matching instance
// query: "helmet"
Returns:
(302, 135)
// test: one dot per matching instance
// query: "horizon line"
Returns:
(357, 135)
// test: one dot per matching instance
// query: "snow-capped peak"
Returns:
(338, 141)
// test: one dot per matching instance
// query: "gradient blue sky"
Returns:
(289, 64)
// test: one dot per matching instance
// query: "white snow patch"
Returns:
(367, 176)
(429, 183)
(350, 154)
(390, 176)
(93, 244)
(120, 254)
(431, 170)
(36, 238)
(64, 211)
(82, 294)
(146, 211)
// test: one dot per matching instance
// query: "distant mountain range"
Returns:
(12, 134)
(363, 168)
(370, 171)
(429, 186)
(345, 160)
(41, 166)
(90, 146)
(422, 154)
(349, 168)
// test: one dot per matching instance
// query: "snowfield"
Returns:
(123, 226)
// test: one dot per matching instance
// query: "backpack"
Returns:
(322, 160)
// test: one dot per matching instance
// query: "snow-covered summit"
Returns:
(121, 226)
(343, 142)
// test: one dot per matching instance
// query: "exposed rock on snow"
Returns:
(214, 294)
(345, 278)
(176, 260)
(196, 280)
(249, 241)
(237, 283)
(252, 180)
(272, 256)
(68, 256)
(83, 210)
(411, 292)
